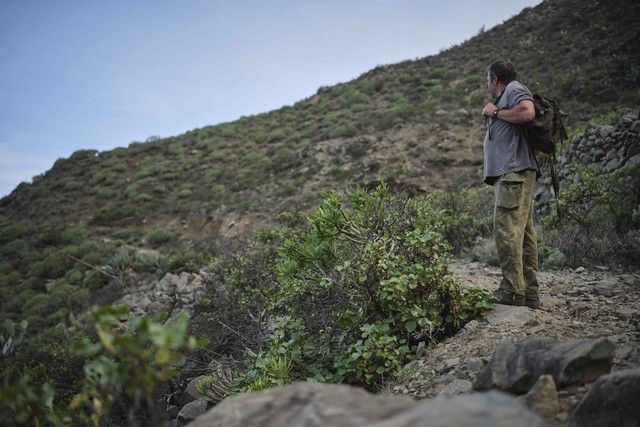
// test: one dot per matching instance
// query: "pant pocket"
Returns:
(509, 191)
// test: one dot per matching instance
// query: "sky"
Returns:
(101, 74)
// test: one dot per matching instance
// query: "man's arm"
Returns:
(523, 112)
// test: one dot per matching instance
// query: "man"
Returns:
(511, 167)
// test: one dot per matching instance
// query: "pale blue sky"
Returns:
(101, 74)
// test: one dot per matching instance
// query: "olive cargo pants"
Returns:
(514, 233)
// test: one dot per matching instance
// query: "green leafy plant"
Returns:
(160, 236)
(129, 362)
(369, 278)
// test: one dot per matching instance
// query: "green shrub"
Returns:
(13, 232)
(404, 78)
(185, 261)
(160, 236)
(53, 265)
(352, 97)
(74, 235)
(47, 358)
(442, 74)
(555, 259)
(127, 366)
(484, 250)
(95, 279)
(244, 275)
(185, 193)
(361, 286)
(468, 213)
(601, 211)
(22, 404)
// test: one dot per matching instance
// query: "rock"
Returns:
(560, 288)
(192, 410)
(626, 313)
(606, 289)
(420, 350)
(507, 314)
(450, 363)
(579, 270)
(611, 154)
(612, 400)
(315, 404)
(309, 404)
(612, 164)
(474, 364)
(190, 393)
(515, 367)
(50, 285)
(633, 160)
(455, 387)
(172, 411)
(543, 398)
(471, 326)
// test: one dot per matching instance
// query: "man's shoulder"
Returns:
(517, 87)
(516, 92)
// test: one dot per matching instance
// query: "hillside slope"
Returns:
(415, 123)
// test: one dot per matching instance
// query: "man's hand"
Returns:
(488, 109)
(523, 112)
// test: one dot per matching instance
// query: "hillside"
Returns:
(282, 280)
(415, 123)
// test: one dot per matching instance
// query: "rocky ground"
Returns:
(577, 304)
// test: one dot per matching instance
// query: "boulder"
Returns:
(455, 387)
(190, 393)
(515, 367)
(315, 404)
(192, 410)
(305, 404)
(513, 315)
(543, 398)
(613, 399)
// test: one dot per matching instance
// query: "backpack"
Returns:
(544, 132)
(547, 128)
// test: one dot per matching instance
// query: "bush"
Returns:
(468, 215)
(601, 212)
(160, 236)
(244, 275)
(484, 250)
(128, 365)
(185, 193)
(362, 285)
(555, 259)
(13, 232)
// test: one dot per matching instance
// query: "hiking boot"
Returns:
(533, 302)
(502, 296)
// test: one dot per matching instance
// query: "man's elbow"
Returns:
(528, 115)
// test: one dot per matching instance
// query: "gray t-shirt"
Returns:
(506, 148)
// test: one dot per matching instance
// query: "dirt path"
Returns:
(578, 304)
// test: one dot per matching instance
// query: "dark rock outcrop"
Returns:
(515, 367)
(613, 399)
(314, 404)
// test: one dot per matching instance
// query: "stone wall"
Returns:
(608, 146)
